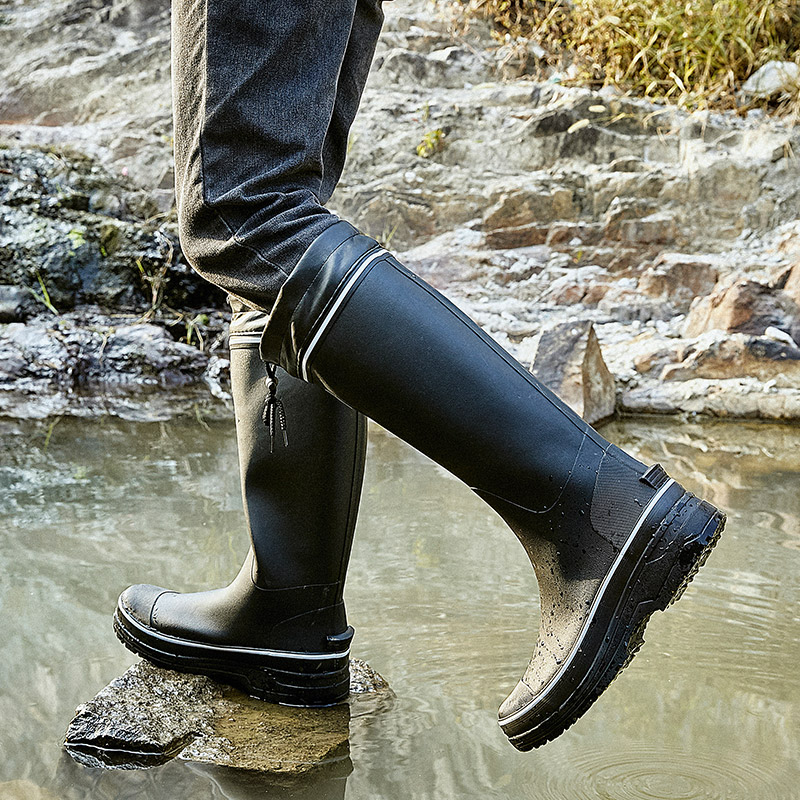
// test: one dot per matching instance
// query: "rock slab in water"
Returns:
(150, 715)
(87, 363)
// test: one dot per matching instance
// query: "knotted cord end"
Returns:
(274, 415)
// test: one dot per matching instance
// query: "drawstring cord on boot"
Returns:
(274, 415)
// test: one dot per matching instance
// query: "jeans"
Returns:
(264, 94)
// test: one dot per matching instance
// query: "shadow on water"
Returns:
(444, 607)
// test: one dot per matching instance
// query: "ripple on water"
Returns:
(656, 773)
(747, 634)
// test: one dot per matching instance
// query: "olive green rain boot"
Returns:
(610, 539)
(279, 630)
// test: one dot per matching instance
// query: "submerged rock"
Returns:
(150, 715)
(23, 789)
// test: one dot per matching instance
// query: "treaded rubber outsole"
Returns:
(272, 684)
(627, 640)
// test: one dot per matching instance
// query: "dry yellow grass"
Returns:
(692, 53)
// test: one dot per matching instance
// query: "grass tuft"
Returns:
(695, 54)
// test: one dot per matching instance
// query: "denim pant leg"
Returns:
(367, 22)
(264, 92)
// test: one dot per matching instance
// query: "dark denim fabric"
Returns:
(264, 93)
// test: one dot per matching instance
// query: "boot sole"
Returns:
(667, 563)
(287, 678)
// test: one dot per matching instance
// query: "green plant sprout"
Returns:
(44, 296)
(77, 237)
(193, 329)
(432, 142)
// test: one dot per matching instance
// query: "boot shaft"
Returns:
(300, 498)
(610, 540)
(382, 340)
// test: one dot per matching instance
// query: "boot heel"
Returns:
(694, 529)
(295, 688)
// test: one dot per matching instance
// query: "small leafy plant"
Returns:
(432, 143)
(77, 237)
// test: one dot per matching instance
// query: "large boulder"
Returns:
(720, 374)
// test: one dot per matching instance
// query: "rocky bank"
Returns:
(662, 245)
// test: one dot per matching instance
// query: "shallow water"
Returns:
(444, 606)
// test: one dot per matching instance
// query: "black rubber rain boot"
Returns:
(279, 630)
(611, 539)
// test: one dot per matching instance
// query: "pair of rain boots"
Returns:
(610, 539)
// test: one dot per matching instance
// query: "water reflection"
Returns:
(184, 779)
(443, 604)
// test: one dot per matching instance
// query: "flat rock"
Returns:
(732, 398)
(718, 355)
(149, 715)
(86, 363)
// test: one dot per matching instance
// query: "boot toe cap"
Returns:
(138, 602)
(516, 701)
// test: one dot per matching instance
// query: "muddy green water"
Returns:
(444, 607)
